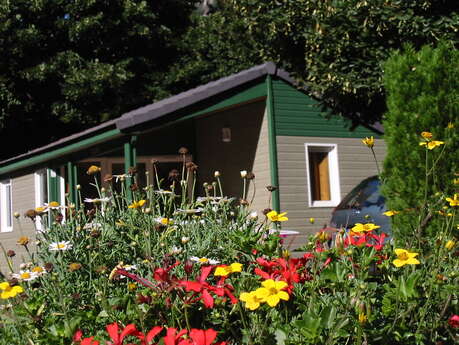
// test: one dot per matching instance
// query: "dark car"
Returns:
(364, 204)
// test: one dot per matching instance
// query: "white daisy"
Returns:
(204, 260)
(175, 250)
(97, 200)
(129, 267)
(162, 191)
(63, 245)
(25, 275)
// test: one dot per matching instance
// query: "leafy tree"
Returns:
(337, 47)
(422, 96)
(67, 65)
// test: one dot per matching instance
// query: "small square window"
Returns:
(322, 175)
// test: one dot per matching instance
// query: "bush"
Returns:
(422, 96)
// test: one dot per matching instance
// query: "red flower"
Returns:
(77, 338)
(173, 338)
(291, 271)
(202, 287)
(146, 339)
(197, 336)
(454, 321)
(117, 337)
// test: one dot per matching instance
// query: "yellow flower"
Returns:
(453, 201)
(450, 125)
(276, 217)
(450, 244)
(271, 292)
(322, 236)
(132, 286)
(163, 221)
(23, 240)
(456, 181)
(224, 270)
(431, 144)
(405, 257)
(362, 318)
(40, 209)
(38, 270)
(359, 227)
(370, 142)
(9, 291)
(92, 170)
(312, 220)
(74, 266)
(137, 204)
(391, 213)
(251, 300)
(426, 135)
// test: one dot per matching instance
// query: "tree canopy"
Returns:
(337, 48)
(67, 65)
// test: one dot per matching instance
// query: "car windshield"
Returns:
(366, 194)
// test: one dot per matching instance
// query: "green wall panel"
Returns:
(297, 114)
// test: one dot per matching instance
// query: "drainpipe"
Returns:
(130, 154)
(71, 178)
(272, 144)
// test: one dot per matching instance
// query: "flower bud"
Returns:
(217, 174)
(16, 215)
(243, 173)
(185, 240)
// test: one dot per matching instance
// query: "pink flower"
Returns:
(454, 321)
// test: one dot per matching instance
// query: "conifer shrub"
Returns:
(422, 96)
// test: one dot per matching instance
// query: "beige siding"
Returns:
(246, 151)
(23, 196)
(355, 162)
(262, 171)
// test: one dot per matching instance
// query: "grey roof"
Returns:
(200, 93)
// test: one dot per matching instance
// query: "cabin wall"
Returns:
(23, 199)
(229, 158)
(355, 162)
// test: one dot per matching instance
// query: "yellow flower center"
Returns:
(203, 260)
(60, 245)
(403, 256)
(25, 275)
(37, 269)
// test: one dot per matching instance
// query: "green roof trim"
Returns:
(254, 92)
(56, 153)
(298, 114)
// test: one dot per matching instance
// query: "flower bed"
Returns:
(151, 267)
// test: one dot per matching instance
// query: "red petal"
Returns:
(89, 341)
(262, 274)
(112, 330)
(78, 335)
(231, 296)
(208, 299)
(192, 286)
(169, 339)
(205, 271)
(128, 330)
(203, 337)
(152, 333)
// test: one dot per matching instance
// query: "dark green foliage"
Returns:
(337, 47)
(422, 95)
(67, 65)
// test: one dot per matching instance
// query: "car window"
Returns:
(366, 194)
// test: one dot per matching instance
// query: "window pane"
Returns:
(319, 175)
(9, 211)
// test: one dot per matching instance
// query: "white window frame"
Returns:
(39, 199)
(4, 215)
(333, 174)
